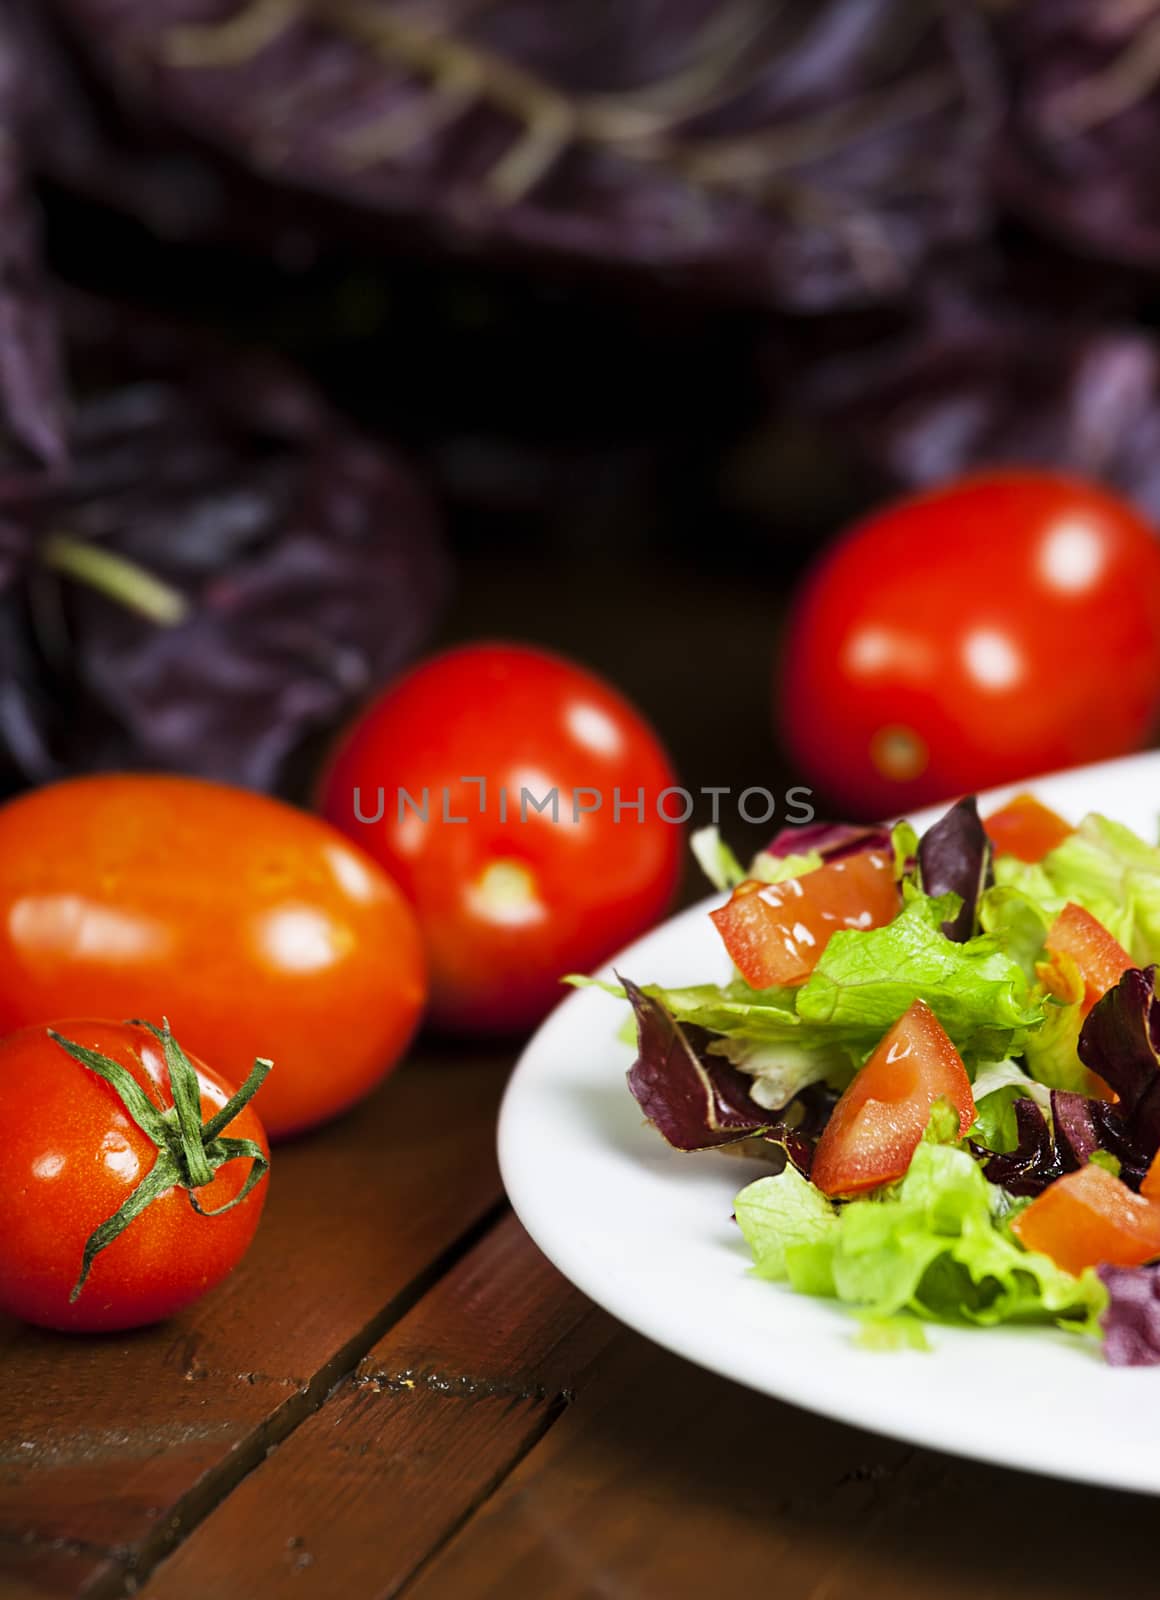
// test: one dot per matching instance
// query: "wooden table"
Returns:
(396, 1395)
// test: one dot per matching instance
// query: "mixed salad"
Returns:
(949, 1049)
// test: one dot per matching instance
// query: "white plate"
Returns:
(647, 1233)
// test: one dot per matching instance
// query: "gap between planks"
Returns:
(130, 1570)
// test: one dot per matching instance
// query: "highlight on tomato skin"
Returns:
(879, 1121)
(1089, 1218)
(776, 933)
(509, 898)
(919, 663)
(257, 929)
(72, 1155)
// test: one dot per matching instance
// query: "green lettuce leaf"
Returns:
(937, 1245)
(866, 980)
(787, 1039)
(997, 1086)
(760, 1032)
(1017, 923)
(715, 859)
(723, 870)
(1106, 868)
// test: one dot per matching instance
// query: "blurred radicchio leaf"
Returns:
(33, 402)
(831, 840)
(221, 572)
(1131, 1322)
(1084, 121)
(809, 155)
(977, 375)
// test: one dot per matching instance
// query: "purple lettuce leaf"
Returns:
(1120, 1041)
(1131, 1322)
(33, 400)
(832, 840)
(1083, 113)
(1035, 361)
(699, 1101)
(775, 155)
(1035, 1160)
(300, 562)
(954, 857)
(1079, 1127)
(1079, 1130)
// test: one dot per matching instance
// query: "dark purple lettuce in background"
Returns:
(1040, 367)
(1084, 123)
(806, 156)
(219, 573)
(33, 401)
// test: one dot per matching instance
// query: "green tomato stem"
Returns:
(189, 1152)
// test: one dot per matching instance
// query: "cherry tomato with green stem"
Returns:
(131, 1175)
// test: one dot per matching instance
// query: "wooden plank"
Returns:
(31, 1570)
(435, 1416)
(115, 1444)
(665, 1480)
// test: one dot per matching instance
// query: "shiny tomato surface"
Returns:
(510, 897)
(71, 1156)
(775, 933)
(1000, 626)
(256, 929)
(876, 1126)
(1089, 1219)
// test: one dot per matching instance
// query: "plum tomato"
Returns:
(1000, 626)
(83, 1107)
(256, 929)
(516, 799)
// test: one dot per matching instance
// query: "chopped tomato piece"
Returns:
(1089, 1219)
(876, 1126)
(1101, 960)
(1026, 828)
(776, 932)
(1150, 1188)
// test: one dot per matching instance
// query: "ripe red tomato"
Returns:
(876, 1126)
(71, 1156)
(1089, 1219)
(509, 898)
(256, 929)
(776, 932)
(1001, 626)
